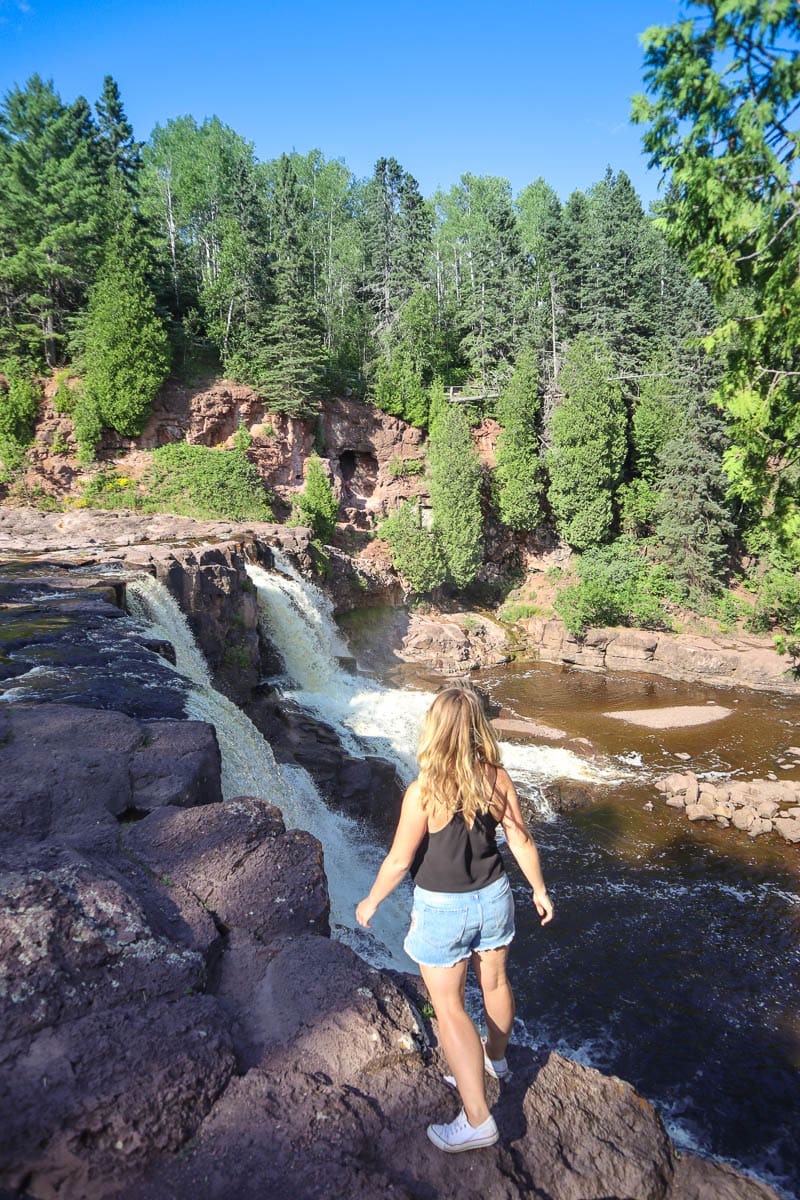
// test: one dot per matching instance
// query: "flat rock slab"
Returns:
(533, 729)
(675, 717)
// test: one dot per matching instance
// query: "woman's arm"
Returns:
(411, 829)
(523, 847)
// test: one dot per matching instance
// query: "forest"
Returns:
(641, 365)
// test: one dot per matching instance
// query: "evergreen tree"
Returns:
(316, 504)
(456, 494)
(519, 470)
(127, 353)
(416, 552)
(588, 446)
(397, 234)
(288, 364)
(692, 520)
(50, 216)
(116, 146)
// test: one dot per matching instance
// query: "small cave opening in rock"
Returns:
(359, 472)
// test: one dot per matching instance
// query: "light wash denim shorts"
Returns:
(447, 926)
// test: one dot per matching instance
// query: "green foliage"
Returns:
(399, 390)
(692, 523)
(127, 354)
(196, 481)
(106, 489)
(519, 469)
(317, 506)
(18, 408)
(416, 552)
(722, 125)
(400, 468)
(456, 495)
(87, 427)
(657, 417)
(518, 610)
(617, 586)
(588, 446)
(64, 400)
(777, 603)
(242, 439)
(637, 507)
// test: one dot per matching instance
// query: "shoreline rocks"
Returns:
(722, 661)
(755, 807)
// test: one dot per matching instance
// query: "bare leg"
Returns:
(498, 998)
(459, 1037)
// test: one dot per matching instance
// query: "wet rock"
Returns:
(673, 784)
(700, 1179)
(566, 795)
(760, 825)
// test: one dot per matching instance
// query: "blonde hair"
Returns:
(455, 745)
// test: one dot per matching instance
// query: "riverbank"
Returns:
(126, 877)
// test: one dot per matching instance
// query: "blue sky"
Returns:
(511, 88)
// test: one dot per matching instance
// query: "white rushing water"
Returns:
(371, 719)
(249, 768)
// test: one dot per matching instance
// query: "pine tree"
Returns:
(692, 520)
(50, 218)
(317, 505)
(519, 469)
(588, 446)
(288, 367)
(397, 234)
(127, 353)
(416, 552)
(117, 148)
(456, 494)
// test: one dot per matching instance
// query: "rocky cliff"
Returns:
(175, 1018)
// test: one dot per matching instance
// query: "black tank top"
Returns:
(458, 859)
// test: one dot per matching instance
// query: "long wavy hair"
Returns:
(456, 744)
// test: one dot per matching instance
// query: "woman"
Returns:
(463, 907)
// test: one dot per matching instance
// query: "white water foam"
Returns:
(249, 768)
(369, 718)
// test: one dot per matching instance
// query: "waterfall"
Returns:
(371, 719)
(249, 769)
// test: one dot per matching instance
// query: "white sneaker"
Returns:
(460, 1135)
(496, 1067)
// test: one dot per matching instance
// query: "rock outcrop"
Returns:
(453, 643)
(730, 662)
(754, 806)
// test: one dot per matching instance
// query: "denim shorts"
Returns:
(447, 926)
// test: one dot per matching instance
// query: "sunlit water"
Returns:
(673, 959)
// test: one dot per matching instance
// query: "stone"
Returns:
(683, 756)
(767, 808)
(744, 817)
(699, 812)
(676, 801)
(707, 798)
(788, 828)
(702, 1179)
(68, 772)
(760, 825)
(724, 809)
(795, 750)
(672, 783)
(243, 866)
(692, 788)
(723, 822)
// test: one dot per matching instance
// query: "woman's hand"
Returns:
(365, 911)
(544, 905)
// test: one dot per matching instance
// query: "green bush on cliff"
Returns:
(195, 481)
(617, 585)
(316, 505)
(416, 552)
(18, 408)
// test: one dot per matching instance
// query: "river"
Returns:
(673, 957)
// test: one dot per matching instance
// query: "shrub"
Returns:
(400, 467)
(65, 399)
(316, 504)
(416, 552)
(617, 586)
(18, 409)
(196, 481)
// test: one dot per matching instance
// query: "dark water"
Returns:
(673, 960)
